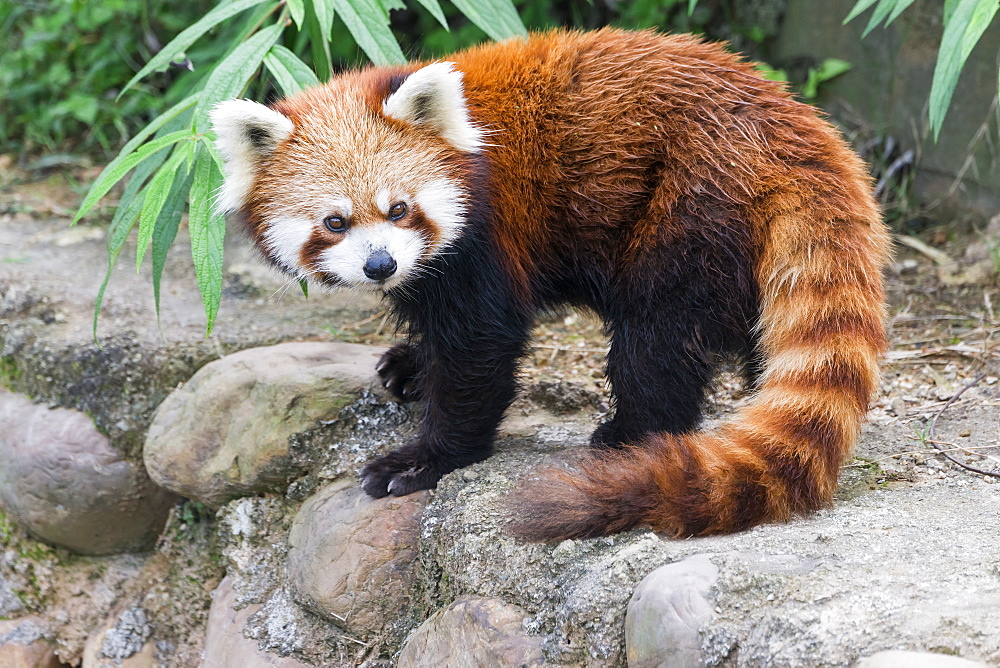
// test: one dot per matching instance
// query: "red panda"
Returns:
(656, 180)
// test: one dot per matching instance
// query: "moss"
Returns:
(10, 374)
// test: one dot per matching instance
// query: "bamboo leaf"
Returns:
(159, 122)
(497, 18)
(319, 36)
(290, 73)
(859, 8)
(304, 286)
(691, 6)
(297, 8)
(882, 12)
(166, 229)
(156, 196)
(230, 77)
(189, 36)
(207, 228)
(324, 15)
(125, 219)
(963, 30)
(121, 166)
(434, 8)
(369, 25)
(901, 5)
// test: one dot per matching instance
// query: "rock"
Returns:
(23, 644)
(225, 645)
(352, 558)
(473, 633)
(901, 659)
(123, 643)
(224, 433)
(910, 564)
(61, 479)
(666, 613)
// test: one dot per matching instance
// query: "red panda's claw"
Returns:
(397, 371)
(395, 474)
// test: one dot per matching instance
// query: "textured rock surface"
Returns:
(902, 659)
(62, 480)
(122, 644)
(225, 646)
(473, 633)
(352, 558)
(666, 612)
(23, 644)
(224, 433)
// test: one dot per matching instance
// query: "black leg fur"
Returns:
(397, 369)
(469, 333)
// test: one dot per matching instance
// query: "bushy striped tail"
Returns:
(822, 332)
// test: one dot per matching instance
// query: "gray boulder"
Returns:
(224, 433)
(666, 612)
(61, 479)
(352, 558)
(473, 633)
(225, 645)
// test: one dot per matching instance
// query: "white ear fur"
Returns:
(434, 96)
(246, 132)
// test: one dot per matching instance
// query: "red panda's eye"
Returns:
(335, 223)
(397, 211)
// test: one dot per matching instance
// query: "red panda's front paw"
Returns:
(398, 475)
(398, 372)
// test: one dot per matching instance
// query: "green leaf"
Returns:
(230, 77)
(691, 6)
(125, 219)
(157, 123)
(166, 229)
(208, 230)
(156, 196)
(369, 25)
(901, 5)
(121, 166)
(189, 36)
(964, 28)
(882, 12)
(297, 8)
(497, 18)
(434, 8)
(860, 7)
(290, 73)
(319, 36)
(304, 286)
(323, 9)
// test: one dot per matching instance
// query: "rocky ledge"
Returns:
(179, 502)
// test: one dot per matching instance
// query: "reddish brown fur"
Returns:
(608, 144)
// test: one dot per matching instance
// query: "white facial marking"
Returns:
(444, 202)
(285, 238)
(382, 200)
(347, 259)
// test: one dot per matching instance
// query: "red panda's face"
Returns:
(339, 192)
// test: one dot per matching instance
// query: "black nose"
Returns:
(380, 266)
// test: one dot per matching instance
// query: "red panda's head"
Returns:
(356, 182)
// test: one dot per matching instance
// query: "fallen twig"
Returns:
(930, 430)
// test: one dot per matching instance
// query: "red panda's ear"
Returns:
(433, 96)
(246, 132)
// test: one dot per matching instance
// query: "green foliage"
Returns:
(964, 23)
(64, 60)
(173, 160)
